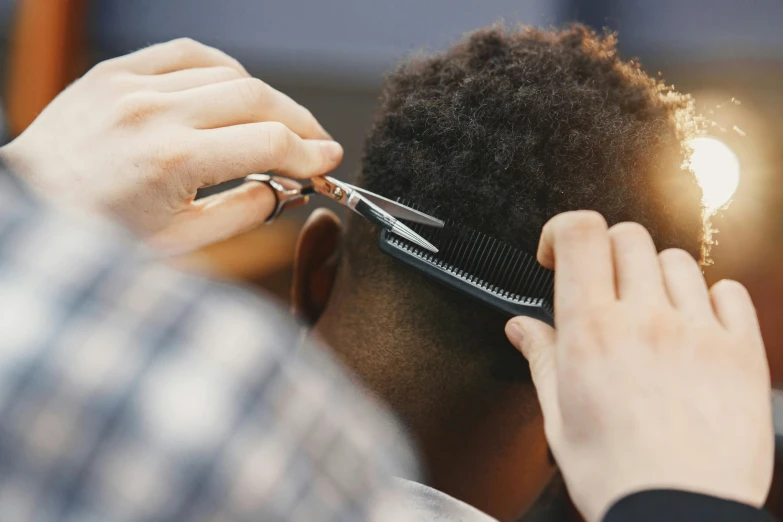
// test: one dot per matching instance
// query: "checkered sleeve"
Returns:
(130, 391)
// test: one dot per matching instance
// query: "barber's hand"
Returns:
(138, 135)
(651, 380)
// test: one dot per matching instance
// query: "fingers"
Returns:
(244, 100)
(234, 152)
(637, 270)
(734, 307)
(176, 55)
(217, 217)
(735, 311)
(536, 341)
(685, 283)
(193, 78)
(576, 245)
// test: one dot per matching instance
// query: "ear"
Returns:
(315, 264)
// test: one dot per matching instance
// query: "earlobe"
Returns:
(315, 264)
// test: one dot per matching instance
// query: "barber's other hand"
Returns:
(651, 380)
(138, 135)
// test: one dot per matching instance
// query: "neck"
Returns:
(478, 443)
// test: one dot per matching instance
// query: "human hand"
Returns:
(651, 380)
(138, 135)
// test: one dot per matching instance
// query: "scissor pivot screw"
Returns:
(338, 193)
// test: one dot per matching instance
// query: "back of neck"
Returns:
(481, 439)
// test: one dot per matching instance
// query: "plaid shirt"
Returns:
(130, 391)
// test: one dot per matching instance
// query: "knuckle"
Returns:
(189, 47)
(137, 109)
(235, 64)
(661, 327)
(314, 128)
(584, 339)
(676, 257)
(123, 82)
(111, 76)
(102, 68)
(254, 91)
(752, 352)
(731, 288)
(186, 44)
(183, 48)
(224, 72)
(590, 331)
(308, 113)
(279, 142)
(170, 158)
(628, 230)
(581, 223)
(257, 89)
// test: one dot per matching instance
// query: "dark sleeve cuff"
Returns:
(663, 505)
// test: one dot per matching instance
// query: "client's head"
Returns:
(499, 133)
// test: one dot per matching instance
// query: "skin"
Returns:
(472, 439)
(636, 332)
(642, 343)
(138, 135)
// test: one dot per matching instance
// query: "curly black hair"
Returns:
(507, 129)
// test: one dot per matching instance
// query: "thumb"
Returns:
(218, 217)
(536, 341)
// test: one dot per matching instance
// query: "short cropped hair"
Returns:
(508, 128)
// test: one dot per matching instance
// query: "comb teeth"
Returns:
(483, 262)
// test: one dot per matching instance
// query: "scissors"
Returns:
(377, 209)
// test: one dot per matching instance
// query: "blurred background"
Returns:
(331, 55)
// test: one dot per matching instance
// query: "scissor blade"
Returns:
(406, 233)
(380, 217)
(399, 210)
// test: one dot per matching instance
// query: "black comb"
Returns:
(494, 272)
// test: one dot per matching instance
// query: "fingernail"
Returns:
(514, 333)
(333, 150)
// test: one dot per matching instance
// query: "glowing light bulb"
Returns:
(717, 170)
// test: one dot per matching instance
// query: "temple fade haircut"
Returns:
(509, 128)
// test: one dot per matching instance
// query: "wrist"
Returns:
(16, 161)
(28, 168)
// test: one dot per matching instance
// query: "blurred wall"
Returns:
(700, 30)
(342, 40)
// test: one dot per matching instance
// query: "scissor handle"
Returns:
(283, 196)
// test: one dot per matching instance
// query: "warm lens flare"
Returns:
(716, 168)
